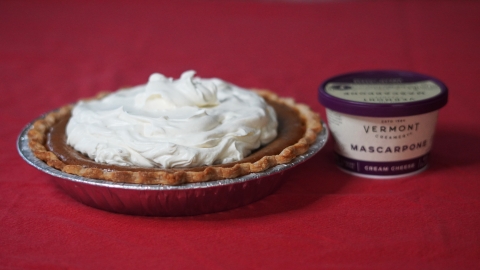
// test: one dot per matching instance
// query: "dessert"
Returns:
(173, 132)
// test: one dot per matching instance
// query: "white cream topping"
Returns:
(171, 123)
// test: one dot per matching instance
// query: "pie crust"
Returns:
(38, 137)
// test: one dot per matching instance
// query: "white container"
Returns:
(383, 122)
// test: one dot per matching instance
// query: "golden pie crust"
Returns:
(38, 137)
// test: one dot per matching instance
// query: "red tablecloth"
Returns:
(55, 52)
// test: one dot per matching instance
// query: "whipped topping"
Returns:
(170, 123)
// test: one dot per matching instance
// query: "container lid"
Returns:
(383, 93)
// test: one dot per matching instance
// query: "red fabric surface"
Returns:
(55, 52)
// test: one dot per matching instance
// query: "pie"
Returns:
(297, 130)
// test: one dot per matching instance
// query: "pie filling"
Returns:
(290, 130)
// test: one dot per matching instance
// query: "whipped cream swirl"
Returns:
(171, 123)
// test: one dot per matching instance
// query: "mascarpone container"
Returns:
(383, 122)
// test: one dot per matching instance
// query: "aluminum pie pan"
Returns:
(163, 200)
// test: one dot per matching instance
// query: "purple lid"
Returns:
(383, 93)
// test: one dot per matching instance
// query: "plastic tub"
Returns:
(383, 122)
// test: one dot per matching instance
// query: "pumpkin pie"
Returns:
(296, 130)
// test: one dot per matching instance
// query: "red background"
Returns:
(55, 52)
